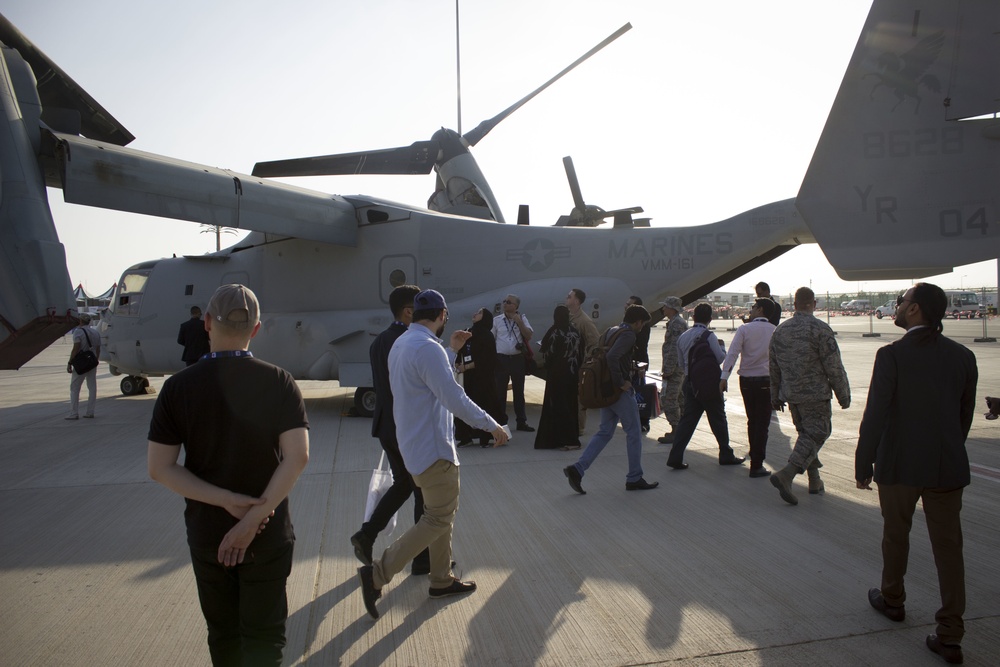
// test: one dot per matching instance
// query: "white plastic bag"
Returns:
(379, 484)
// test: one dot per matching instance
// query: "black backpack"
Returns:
(595, 388)
(704, 372)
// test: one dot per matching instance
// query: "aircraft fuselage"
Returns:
(322, 303)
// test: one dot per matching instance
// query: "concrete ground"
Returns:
(711, 568)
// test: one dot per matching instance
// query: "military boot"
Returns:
(816, 486)
(782, 481)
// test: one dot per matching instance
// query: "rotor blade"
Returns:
(475, 135)
(574, 184)
(633, 209)
(63, 98)
(417, 158)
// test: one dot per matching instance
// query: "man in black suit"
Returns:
(920, 407)
(763, 291)
(384, 428)
(193, 337)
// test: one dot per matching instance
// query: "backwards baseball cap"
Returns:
(429, 299)
(234, 306)
(673, 302)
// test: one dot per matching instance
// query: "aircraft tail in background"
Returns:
(902, 184)
(37, 305)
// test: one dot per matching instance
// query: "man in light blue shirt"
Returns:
(425, 396)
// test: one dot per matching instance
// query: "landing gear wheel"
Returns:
(364, 401)
(131, 385)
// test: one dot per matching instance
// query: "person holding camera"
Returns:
(512, 332)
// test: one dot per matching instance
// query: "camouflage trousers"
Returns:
(671, 397)
(813, 424)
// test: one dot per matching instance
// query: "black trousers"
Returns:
(757, 403)
(511, 367)
(245, 606)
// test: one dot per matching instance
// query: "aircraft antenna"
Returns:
(458, 68)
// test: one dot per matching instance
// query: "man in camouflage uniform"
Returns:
(671, 400)
(804, 362)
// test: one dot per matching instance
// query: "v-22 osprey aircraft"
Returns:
(902, 184)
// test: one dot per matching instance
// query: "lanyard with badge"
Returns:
(227, 353)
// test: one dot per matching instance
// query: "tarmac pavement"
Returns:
(711, 568)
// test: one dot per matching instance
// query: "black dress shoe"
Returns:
(677, 466)
(369, 593)
(362, 547)
(952, 653)
(640, 485)
(575, 478)
(526, 428)
(463, 443)
(732, 461)
(878, 603)
(455, 588)
(759, 472)
(666, 438)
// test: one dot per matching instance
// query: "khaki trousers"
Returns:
(439, 485)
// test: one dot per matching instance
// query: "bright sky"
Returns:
(701, 111)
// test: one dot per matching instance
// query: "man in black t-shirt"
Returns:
(243, 426)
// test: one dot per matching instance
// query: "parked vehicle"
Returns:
(887, 309)
(858, 305)
(963, 303)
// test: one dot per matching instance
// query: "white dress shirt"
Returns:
(508, 334)
(750, 342)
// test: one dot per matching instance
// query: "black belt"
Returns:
(756, 378)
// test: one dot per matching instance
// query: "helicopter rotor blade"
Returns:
(66, 106)
(417, 158)
(574, 184)
(475, 135)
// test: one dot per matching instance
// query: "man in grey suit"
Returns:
(920, 407)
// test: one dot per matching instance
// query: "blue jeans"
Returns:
(626, 410)
(693, 409)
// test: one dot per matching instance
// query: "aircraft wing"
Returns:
(95, 173)
(899, 187)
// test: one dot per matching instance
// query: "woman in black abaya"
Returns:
(562, 346)
(477, 362)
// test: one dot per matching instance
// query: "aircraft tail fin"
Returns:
(901, 180)
(36, 297)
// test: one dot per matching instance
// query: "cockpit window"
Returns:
(128, 294)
